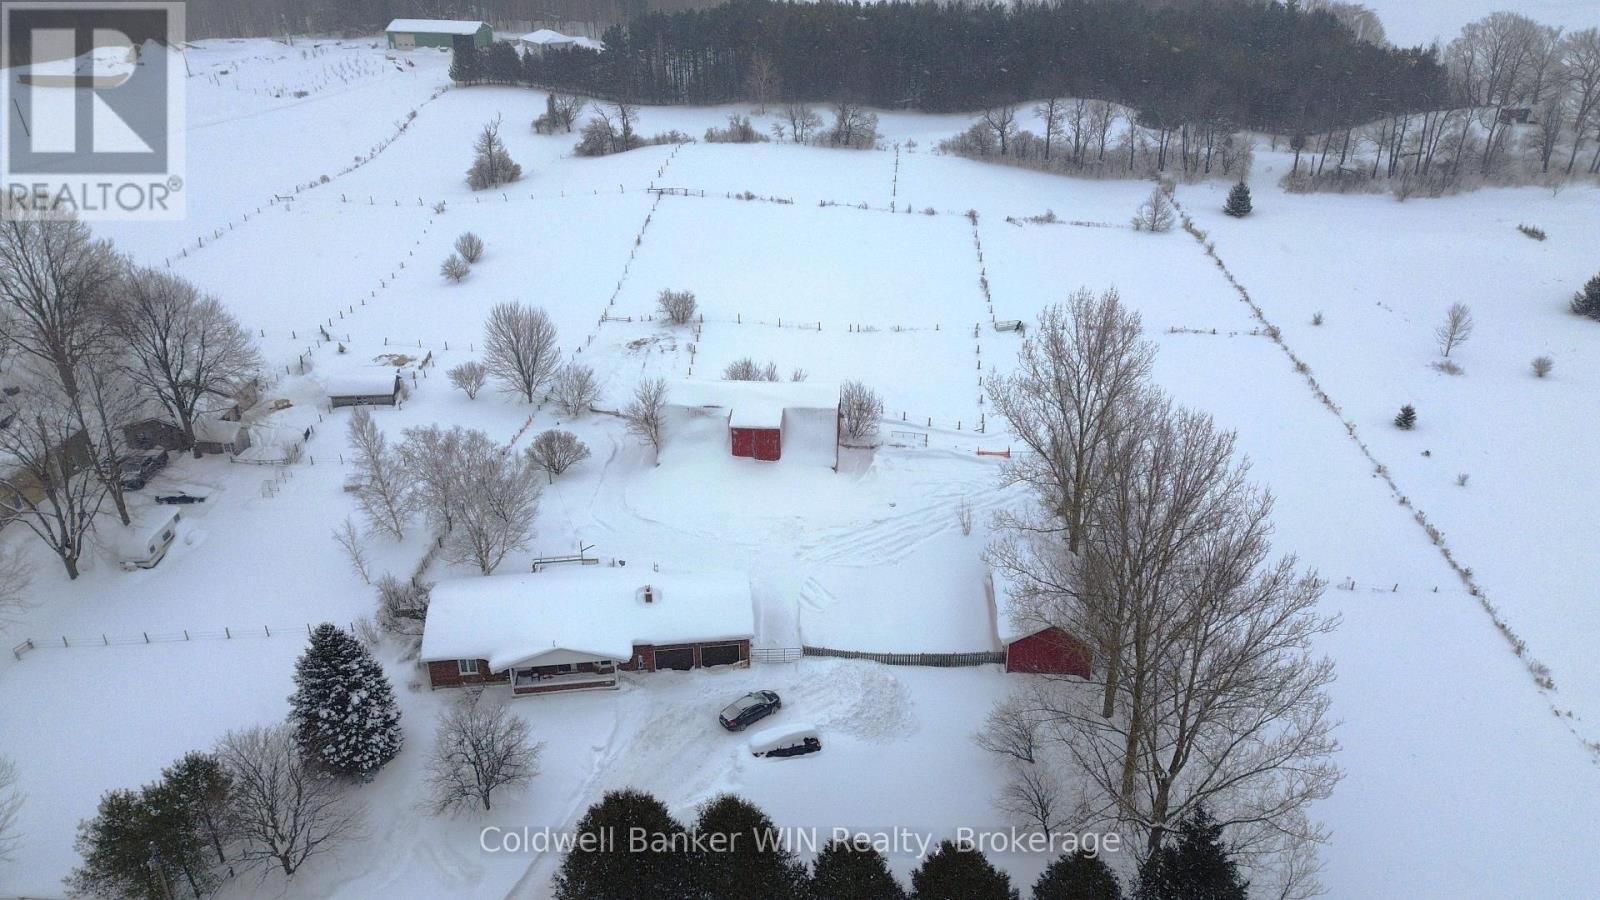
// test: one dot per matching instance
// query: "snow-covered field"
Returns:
(1461, 780)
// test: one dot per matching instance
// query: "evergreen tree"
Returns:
(1587, 302)
(115, 847)
(501, 63)
(1077, 876)
(1407, 418)
(755, 866)
(1238, 204)
(959, 872)
(1196, 866)
(343, 710)
(606, 864)
(466, 63)
(198, 782)
(846, 871)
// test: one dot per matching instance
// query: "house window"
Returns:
(466, 666)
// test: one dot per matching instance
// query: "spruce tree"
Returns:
(115, 848)
(502, 64)
(959, 872)
(605, 864)
(200, 784)
(1238, 204)
(343, 709)
(847, 871)
(1407, 418)
(1587, 301)
(748, 863)
(1077, 876)
(466, 63)
(1195, 866)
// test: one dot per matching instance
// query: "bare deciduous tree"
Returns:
(1052, 111)
(49, 482)
(11, 798)
(15, 577)
(645, 413)
(853, 126)
(747, 369)
(556, 451)
(568, 107)
(55, 283)
(186, 346)
(349, 540)
(402, 605)
(1002, 120)
(519, 347)
(1079, 372)
(480, 747)
(454, 268)
(432, 458)
(498, 498)
(802, 121)
(491, 164)
(1455, 329)
(575, 389)
(470, 246)
(470, 377)
(1012, 730)
(860, 411)
(1035, 795)
(677, 306)
(1580, 59)
(286, 810)
(381, 489)
(1155, 213)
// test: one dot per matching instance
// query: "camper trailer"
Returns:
(148, 539)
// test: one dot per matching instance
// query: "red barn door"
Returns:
(768, 444)
(744, 442)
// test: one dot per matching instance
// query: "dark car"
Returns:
(754, 707)
(136, 469)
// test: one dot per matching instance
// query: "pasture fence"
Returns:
(182, 635)
(936, 660)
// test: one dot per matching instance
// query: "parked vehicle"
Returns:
(749, 709)
(136, 469)
(797, 739)
(179, 499)
(146, 542)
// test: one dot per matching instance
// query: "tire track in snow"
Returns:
(1542, 678)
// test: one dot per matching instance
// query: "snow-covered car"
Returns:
(796, 739)
(136, 469)
(751, 708)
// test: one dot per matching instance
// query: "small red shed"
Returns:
(1032, 645)
(762, 417)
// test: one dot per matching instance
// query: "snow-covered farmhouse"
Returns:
(764, 419)
(405, 34)
(574, 629)
(363, 386)
(1031, 644)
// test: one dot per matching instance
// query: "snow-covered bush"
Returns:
(470, 246)
(470, 377)
(556, 451)
(575, 389)
(454, 268)
(677, 306)
(1542, 366)
(747, 369)
(739, 131)
(491, 163)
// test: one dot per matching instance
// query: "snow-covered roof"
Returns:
(358, 380)
(210, 430)
(754, 404)
(1013, 620)
(547, 37)
(435, 26)
(513, 620)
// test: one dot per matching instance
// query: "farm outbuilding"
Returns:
(1033, 645)
(405, 34)
(218, 435)
(363, 386)
(765, 418)
(575, 629)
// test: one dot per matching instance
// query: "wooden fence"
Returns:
(941, 660)
(106, 639)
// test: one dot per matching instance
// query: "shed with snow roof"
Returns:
(763, 415)
(575, 629)
(363, 386)
(1032, 644)
(405, 34)
(214, 434)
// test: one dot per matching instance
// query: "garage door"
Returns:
(680, 658)
(719, 654)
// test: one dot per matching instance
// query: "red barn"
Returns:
(763, 419)
(1032, 645)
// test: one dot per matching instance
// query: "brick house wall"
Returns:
(445, 673)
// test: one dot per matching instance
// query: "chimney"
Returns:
(649, 594)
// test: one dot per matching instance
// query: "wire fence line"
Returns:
(122, 639)
(940, 660)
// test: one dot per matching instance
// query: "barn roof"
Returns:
(546, 36)
(754, 404)
(347, 379)
(1014, 618)
(211, 430)
(513, 620)
(435, 26)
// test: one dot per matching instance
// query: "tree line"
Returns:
(1261, 66)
